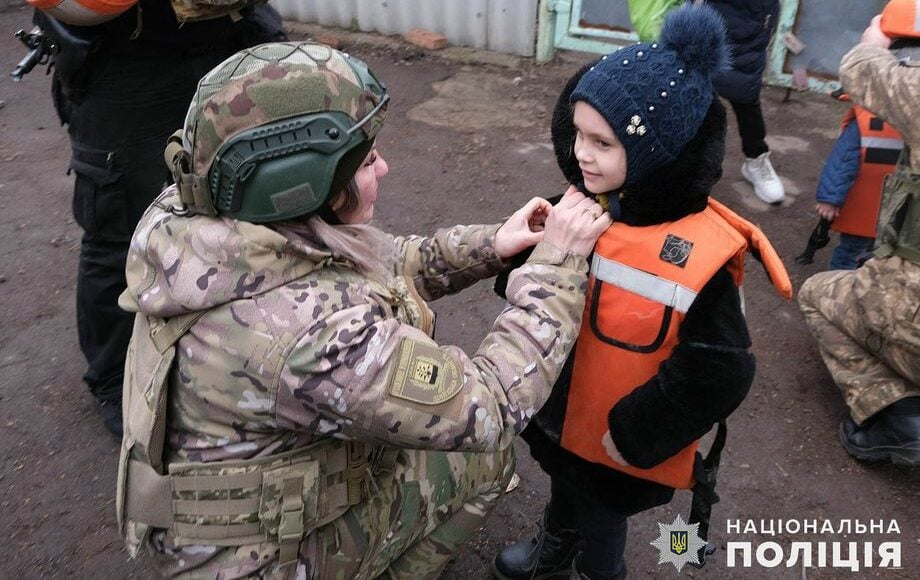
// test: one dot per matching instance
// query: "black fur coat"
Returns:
(709, 372)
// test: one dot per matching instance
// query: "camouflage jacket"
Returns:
(297, 345)
(878, 81)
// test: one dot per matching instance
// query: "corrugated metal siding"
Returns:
(502, 25)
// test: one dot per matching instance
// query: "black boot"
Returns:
(575, 574)
(549, 554)
(110, 411)
(892, 434)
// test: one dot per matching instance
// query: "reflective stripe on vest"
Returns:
(642, 283)
(638, 294)
(889, 146)
(881, 144)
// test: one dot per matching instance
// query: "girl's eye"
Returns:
(603, 144)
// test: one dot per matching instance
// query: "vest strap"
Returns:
(383, 459)
(230, 535)
(666, 292)
(150, 500)
(210, 482)
(193, 189)
(705, 472)
(291, 529)
(165, 334)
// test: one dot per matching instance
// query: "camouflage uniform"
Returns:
(296, 346)
(291, 350)
(867, 321)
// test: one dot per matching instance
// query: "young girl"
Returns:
(663, 351)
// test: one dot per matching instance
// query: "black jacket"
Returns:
(750, 25)
(709, 372)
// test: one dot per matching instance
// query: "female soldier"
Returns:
(287, 411)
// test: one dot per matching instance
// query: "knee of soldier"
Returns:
(819, 286)
(806, 296)
(813, 288)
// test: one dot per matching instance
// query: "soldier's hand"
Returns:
(576, 222)
(873, 34)
(524, 229)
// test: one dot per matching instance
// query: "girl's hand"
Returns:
(524, 229)
(827, 211)
(611, 449)
(576, 223)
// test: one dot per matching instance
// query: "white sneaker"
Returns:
(763, 177)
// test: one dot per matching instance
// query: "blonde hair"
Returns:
(369, 250)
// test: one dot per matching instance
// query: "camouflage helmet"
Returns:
(276, 130)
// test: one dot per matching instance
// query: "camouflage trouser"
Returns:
(867, 324)
(415, 518)
(413, 525)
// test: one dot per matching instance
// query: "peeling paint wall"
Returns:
(829, 30)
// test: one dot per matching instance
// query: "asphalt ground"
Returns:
(467, 141)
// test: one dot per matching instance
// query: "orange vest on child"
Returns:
(879, 149)
(643, 280)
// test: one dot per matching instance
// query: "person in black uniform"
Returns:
(120, 105)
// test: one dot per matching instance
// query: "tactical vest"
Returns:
(899, 217)
(880, 145)
(280, 498)
(643, 281)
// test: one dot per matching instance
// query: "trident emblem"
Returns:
(679, 542)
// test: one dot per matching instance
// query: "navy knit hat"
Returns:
(655, 96)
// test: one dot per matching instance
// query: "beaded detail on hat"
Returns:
(635, 127)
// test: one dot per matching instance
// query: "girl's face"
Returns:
(372, 168)
(600, 155)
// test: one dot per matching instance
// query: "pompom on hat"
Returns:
(655, 96)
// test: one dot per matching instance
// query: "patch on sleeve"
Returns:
(424, 374)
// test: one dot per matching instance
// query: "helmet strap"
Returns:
(193, 189)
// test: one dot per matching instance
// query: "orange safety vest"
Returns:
(643, 281)
(880, 146)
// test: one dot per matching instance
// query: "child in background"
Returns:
(662, 354)
(850, 188)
